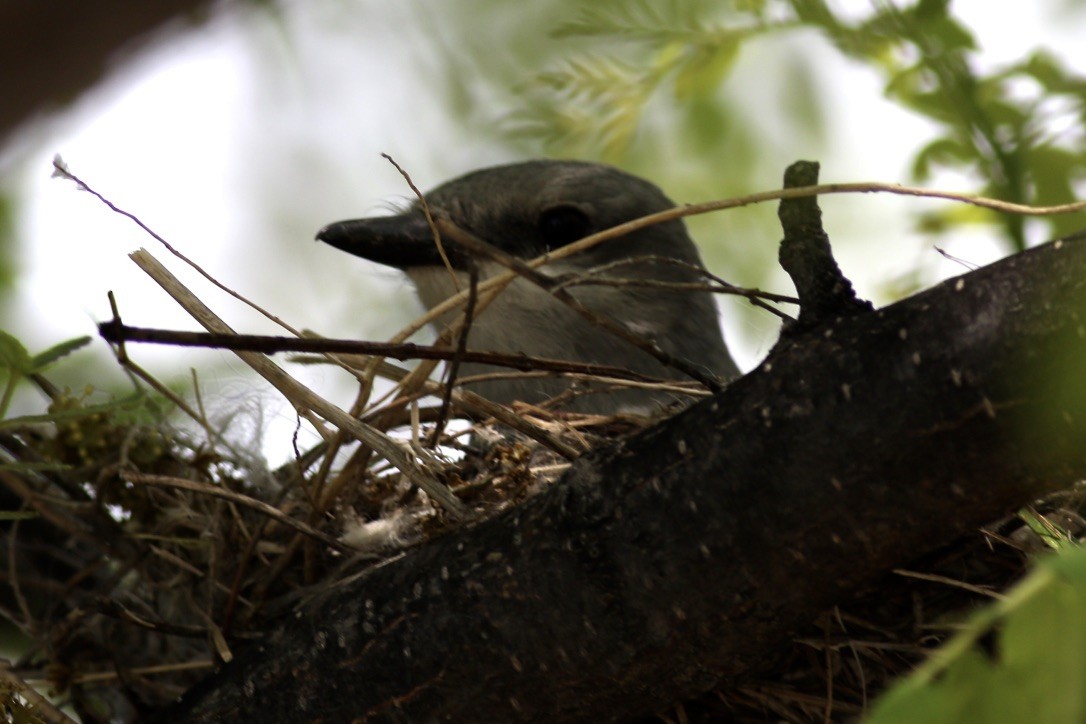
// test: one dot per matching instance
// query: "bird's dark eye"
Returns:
(561, 225)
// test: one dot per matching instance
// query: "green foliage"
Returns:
(19, 363)
(7, 240)
(594, 102)
(1046, 531)
(84, 432)
(1008, 128)
(85, 435)
(1035, 671)
(1002, 126)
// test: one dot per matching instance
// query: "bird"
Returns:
(525, 209)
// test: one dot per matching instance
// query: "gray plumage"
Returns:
(526, 209)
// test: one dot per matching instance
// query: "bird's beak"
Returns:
(402, 241)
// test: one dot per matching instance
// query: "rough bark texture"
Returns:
(806, 255)
(685, 555)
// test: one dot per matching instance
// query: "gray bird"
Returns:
(526, 209)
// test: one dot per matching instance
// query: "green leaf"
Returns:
(73, 413)
(1037, 671)
(43, 359)
(1048, 71)
(13, 355)
(942, 152)
(954, 217)
(934, 28)
(707, 65)
(1048, 532)
(8, 242)
(639, 20)
(927, 9)
(1054, 172)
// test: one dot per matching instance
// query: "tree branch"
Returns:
(806, 255)
(686, 554)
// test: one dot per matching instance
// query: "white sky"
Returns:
(175, 141)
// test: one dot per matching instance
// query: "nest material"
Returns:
(148, 550)
(131, 586)
(840, 663)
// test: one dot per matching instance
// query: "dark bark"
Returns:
(685, 555)
(805, 253)
(53, 50)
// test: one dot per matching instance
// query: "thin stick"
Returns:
(757, 297)
(116, 333)
(979, 590)
(39, 705)
(685, 210)
(461, 350)
(474, 244)
(126, 362)
(13, 576)
(691, 389)
(61, 169)
(304, 399)
(429, 220)
(143, 671)
(166, 481)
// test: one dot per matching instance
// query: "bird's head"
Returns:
(527, 209)
(524, 209)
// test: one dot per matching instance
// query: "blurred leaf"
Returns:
(1054, 171)
(943, 32)
(942, 152)
(708, 64)
(641, 20)
(133, 402)
(597, 98)
(638, 82)
(1002, 115)
(704, 125)
(43, 359)
(804, 101)
(1051, 74)
(13, 355)
(7, 242)
(954, 216)
(1037, 671)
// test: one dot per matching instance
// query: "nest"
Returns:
(143, 548)
(147, 548)
(150, 550)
